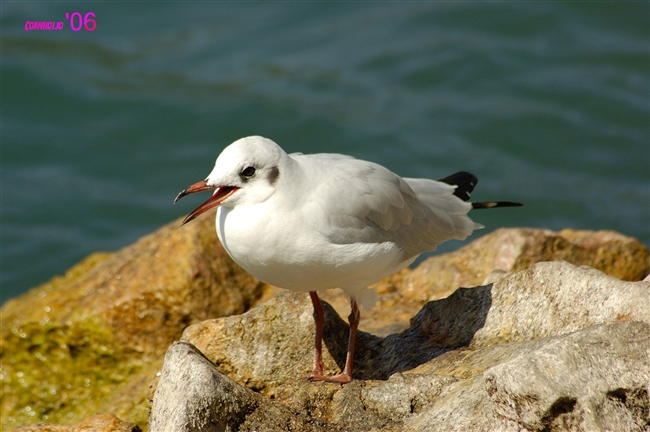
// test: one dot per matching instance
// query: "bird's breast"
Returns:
(290, 253)
(267, 246)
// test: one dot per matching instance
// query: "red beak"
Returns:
(220, 194)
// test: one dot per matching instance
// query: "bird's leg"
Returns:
(345, 376)
(319, 321)
(353, 319)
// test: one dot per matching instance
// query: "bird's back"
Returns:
(364, 202)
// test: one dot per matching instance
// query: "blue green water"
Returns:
(546, 102)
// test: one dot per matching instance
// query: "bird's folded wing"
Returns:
(366, 203)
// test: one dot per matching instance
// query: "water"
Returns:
(547, 103)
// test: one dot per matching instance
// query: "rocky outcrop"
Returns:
(487, 259)
(431, 356)
(552, 347)
(516, 249)
(193, 395)
(592, 380)
(91, 340)
(595, 379)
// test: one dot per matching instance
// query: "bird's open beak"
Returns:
(220, 194)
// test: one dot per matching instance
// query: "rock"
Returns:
(431, 373)
(74, 344)
(593, 379)
(554, 298)
(549, 299)
(96, 423)
(488, 259)
(272, 343)
(596, 379)
(193, 396)
(567, 381)
(92, 341)
(515, 249)
(612, 253)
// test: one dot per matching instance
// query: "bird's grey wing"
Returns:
(446, 213)
(367, 203)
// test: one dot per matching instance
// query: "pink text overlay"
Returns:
(76, 20)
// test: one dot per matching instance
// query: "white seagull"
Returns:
(313, 222)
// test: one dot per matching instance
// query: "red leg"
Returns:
(319, 321)
(353, 319)
(345, 376)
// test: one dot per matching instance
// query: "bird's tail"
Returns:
(494, 204)
(465, 183)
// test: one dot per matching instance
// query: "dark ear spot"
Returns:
(274, 173)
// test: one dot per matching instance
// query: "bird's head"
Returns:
(245, 173)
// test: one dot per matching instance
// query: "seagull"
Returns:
(320, 221)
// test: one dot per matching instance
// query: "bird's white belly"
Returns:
(290, 254)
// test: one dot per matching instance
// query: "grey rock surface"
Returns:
(596, 379)
(553, 347)
(568, 380)
(522, 352)
(192, 395)
(271, 344)
(554, 298)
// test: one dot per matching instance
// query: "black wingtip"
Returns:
(465, 183)
(495, 204)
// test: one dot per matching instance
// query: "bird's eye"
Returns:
(248, 171)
